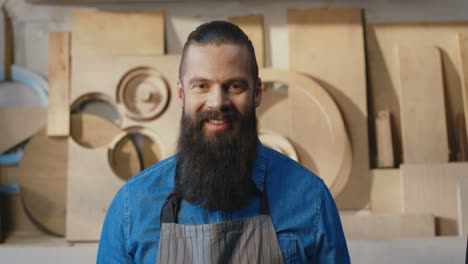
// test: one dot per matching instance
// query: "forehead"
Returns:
(216, 61)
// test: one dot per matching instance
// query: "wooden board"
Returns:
(383, 128)
(462, 193)
(463, 51)
(432, 189)
(462, 138)
(252, 25)
(424, 129)
(58, 113)
(18, 124)
(387, 226)
(118, 33)
(43, 178)
(386, 194)
(327, 152)
(328, 45)
(381, 43)
(92, 181)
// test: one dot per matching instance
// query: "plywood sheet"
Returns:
(328, 45)
(381, 43)
(385, 156)
(58, 113)
(43, 178)
(387, 226)
(252, 25)
(424, 128)
(118, 33)
(92, 181)
(386, 196)
(432, 189)
(463, 207)
(18, 124)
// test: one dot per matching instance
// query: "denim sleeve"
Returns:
(330, 240)
(113, 242)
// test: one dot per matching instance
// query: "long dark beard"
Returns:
(214, 171)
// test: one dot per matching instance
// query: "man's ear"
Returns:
(258, 92)
(180, 92)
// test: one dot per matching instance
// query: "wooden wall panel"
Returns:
(463, 46)
(381, 43)
(328, 45)
(386, 196)
(424, 124)
(385, 154)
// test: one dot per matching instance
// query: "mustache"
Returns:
(231, 115)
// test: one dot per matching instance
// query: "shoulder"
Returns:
(159, 172)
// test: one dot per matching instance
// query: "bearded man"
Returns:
(224, 198)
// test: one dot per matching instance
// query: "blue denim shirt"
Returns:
(304, 214)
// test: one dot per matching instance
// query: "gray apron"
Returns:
(248, 240)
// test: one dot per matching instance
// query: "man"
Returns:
(224, 198)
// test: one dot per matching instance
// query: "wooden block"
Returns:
(386, 226)
(463, 46)
(252, 25)
(117, 33)
(385, 155)
(386, 194)
(328, 45)
(381, 43)
(462, 193)
(432, 189)
(18, 124)
(58, 114)
(43, 178)
(424, 124)
(328, 151)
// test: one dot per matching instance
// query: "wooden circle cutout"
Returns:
(129, 155)
(279, 143)
(144, 94)
(310, 119)
(43, 181)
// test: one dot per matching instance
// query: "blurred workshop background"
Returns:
(371, 95)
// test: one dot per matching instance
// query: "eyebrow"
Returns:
(242, 80)
(197, 79)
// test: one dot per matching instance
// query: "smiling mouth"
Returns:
(217, 121)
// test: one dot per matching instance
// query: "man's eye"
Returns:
(199, 86)
(236, 87)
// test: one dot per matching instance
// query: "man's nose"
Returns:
(217, 98)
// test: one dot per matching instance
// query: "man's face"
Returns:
(218, 78)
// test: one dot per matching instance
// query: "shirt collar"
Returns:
(259, 167)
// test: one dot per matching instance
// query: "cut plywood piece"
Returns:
(118, 33)
(424, 124)
(463, 46)
(462, 193)
(43, 181)
(19, 124)
(92, 181)
(252, 25)
(381, 43)
(432, 189)
(327, 153)
(384, 140)
(328, 45)
(387, 226)
(386, 194)
(58, 113)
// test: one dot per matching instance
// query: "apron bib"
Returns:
(249, 240)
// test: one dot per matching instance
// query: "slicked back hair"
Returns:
(220, 32)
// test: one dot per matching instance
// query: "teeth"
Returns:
(217, 122)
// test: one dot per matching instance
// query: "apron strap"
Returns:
(170, 209)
